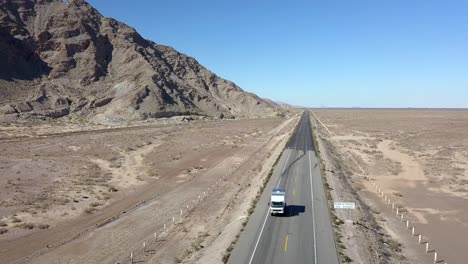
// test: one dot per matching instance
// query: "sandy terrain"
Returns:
(419, 159)
(86, 193)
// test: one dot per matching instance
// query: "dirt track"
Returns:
(104, 192)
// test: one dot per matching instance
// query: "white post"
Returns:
(412, 231)
(187, 206)
(155, 237)
(397, 211)
(131, 256)
(393, 206)
(402, 217)
(173, 220)
(144, 246)
(407, 224)
(435, 257)
(419, 239)
(427, 247)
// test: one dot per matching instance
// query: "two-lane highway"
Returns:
(304, 234)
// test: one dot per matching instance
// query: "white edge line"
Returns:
(313, 209)
(268, 211)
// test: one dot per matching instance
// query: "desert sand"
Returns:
(87, 193)
(419, 159)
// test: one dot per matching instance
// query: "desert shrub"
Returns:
(43, 226)
(95, 204)
(26, 226)
(15, 219)
(89, 210)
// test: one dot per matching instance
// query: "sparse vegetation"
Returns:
(3, 231)
(90, 210)
(26, 225)
(15, 219)
(95, 204)
(43, 226)
(112, 189)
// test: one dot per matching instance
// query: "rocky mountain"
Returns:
(63, 58)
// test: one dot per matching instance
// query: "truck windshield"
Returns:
(277, 204)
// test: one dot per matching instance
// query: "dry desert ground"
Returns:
(83, 193)
(419, 160)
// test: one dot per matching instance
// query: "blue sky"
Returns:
(340, 53)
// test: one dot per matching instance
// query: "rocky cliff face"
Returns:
(62, 58)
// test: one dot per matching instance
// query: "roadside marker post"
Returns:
(419, 239)
(407, 224)
(131, 257)
(435, 257)
(144, 246)
(155, 237)
(412, 231)
(427, 247)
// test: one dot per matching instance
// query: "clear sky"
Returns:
(341, 53)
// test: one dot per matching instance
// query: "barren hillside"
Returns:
(63, 58)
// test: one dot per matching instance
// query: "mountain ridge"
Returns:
(63, 58)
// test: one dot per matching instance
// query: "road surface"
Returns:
(304, 234)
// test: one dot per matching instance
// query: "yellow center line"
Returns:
(286, 244)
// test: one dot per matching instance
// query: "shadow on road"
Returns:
(293, 210)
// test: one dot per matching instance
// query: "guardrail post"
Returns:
(435, 257)
(427, 246)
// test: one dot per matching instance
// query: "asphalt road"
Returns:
(304, 233)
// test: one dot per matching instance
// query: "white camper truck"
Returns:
(278, 201)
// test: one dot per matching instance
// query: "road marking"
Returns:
(313, 210)
(286, 244)
(268, 211)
